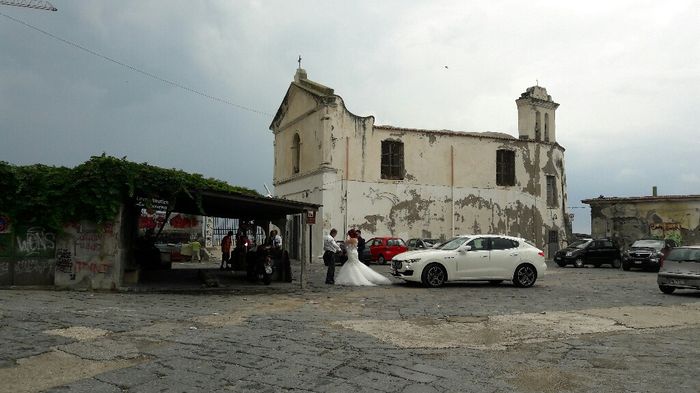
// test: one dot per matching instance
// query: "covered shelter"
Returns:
(79, 227)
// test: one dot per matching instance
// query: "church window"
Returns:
(505, 167)
(392, 160)
(296, 153)
(551, 191)
(546, 127)
(538, 134)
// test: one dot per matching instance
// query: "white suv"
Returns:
(492, 258)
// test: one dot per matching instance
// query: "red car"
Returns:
(382, 249)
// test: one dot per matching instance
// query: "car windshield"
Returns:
(684, 254)
(658, 244)
(580, 243)
(454, 244)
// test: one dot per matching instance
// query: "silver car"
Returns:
(680, 269)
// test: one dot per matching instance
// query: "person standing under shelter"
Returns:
(196, 247)
(330, 248)
(226, 250)
(276, 240)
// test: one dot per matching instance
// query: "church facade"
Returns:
(391, 181)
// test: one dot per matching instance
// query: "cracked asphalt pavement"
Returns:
(576, 330)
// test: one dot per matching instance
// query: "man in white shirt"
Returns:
(277, 240)
(330, 248)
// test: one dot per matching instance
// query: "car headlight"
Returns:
(569, 253)
(414, 260)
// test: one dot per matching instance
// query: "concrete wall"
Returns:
(82, 255)
(627, 221)
(27, 256)
(342, 171)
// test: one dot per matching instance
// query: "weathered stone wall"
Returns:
(627, 221)
(82, 255)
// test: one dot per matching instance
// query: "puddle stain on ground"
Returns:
(501, 331)
(56, 368)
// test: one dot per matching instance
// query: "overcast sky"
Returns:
(626, 73)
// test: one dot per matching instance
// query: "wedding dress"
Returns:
(356, 273)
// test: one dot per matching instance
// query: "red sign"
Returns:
(311, 217)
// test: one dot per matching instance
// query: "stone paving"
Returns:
(576, 330)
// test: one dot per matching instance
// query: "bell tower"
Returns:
(536, 119)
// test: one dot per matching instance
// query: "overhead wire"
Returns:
(136, 69)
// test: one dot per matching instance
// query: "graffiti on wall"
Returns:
(33, 266)
(64, 260)
(36, 242)
(102, 267)
(88, 245)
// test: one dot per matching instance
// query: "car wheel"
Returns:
(616, 263)
(561, 263)
(525, 276)
(381, 260)
(434, 275)
(625, 266)
(495, 282)
(578, 262)
(666, 289)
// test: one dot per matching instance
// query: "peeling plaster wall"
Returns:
(303, 118)
(630, 221)
(346, 180)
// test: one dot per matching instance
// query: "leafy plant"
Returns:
(52, 196)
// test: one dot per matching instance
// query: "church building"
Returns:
(415, 183)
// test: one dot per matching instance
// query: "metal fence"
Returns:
(222, 226)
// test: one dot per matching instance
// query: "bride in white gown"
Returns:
(356, 273)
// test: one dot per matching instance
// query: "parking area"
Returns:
(576, 330)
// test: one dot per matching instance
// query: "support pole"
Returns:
(303, 258)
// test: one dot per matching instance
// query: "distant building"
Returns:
(632, 218)
(405, 182)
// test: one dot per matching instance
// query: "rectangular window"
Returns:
(551, 191)
(392, 160)
(505, 168)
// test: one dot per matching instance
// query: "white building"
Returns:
(420, 183)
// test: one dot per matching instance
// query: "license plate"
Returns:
(637, 262)
(676, 281)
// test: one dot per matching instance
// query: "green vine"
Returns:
(52, 196)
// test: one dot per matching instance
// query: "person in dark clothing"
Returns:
(360, 244)
(330, 249)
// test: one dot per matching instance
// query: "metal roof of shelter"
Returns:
(243, 206)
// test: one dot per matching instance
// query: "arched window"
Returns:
(546, 127)
(538, 137)
(296, 153)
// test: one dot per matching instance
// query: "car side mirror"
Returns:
(466, 248)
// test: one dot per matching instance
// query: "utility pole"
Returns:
(36, 4)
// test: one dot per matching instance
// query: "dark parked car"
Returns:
(646, 254)
(421, 244)
(594, 252)
(680, 269)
